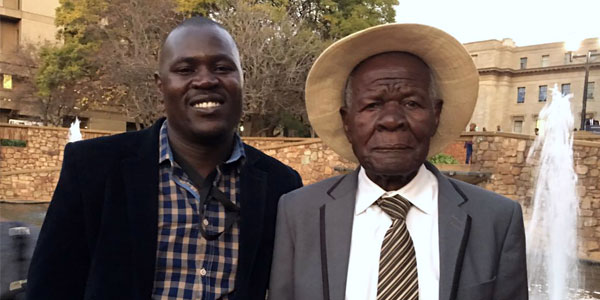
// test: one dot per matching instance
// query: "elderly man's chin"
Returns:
(389, 164)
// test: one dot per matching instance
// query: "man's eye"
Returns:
(372, 105)
(224, 68)
(411, 104)
(184, 71)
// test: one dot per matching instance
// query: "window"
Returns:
(9, 35)
(590, 90)
(565, 88)
(520, 95)
(543, 93)
(7, 82)
(523, 63)
(11, 4)
(545, 60)
(518, 126)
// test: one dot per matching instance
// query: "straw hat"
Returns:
(455, 73)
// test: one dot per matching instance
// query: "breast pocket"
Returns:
(479, 291)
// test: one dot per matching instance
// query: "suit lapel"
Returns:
(253, 186)
(454, 225)
(336, 226)
(140, 176)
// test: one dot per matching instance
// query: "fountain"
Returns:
(74, 132)
(552, 230)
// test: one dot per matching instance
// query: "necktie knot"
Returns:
(395, 206)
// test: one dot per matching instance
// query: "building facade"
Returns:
(22, 23)
(515, 82)
(31, 22)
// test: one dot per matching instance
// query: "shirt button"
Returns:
(203, 272)
(205, 222)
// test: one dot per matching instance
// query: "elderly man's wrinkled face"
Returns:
(391, 117)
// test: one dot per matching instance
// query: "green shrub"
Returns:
(443, 158)
(13, 143)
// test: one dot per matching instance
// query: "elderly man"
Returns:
(182, 210)
(395, 228)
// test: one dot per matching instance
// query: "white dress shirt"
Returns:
(371, 224)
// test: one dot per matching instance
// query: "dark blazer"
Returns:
(99, 238)
(481, 240)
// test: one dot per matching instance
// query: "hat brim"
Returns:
(452, 66)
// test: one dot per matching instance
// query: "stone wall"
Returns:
(505, 154)
(31, 173)
(310, 157)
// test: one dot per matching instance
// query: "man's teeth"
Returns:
(207, 104)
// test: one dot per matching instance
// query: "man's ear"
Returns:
(438, 105)
(158, 81)
(345, 120)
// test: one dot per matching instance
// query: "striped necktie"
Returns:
(397, 264)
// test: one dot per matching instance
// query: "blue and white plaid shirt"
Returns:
(187, 265)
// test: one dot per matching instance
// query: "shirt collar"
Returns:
(166, 154)
(421, 191)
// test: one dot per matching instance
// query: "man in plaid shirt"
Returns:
(181, 210)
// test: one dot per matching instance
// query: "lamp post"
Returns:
(588, 57)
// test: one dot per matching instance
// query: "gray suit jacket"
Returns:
(481, 240)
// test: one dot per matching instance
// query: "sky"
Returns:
(527, 22)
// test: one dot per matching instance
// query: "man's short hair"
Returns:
(433, 89)
(199, 21)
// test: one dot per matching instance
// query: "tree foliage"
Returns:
(127, 58)
(64, 70)
(277, 53)
(110, 52)
(336, 19)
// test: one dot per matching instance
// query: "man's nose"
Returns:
(204, 79)
(391, 117)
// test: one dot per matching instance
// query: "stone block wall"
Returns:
(505, 155)
(31, 173)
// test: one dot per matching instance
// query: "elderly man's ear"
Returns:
(344, 115)
(438, 105)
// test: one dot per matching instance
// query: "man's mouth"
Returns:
(209, 104)
(206, 103)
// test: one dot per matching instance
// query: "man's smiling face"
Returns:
(200, 78)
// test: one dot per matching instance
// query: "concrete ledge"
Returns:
(292, 144)
(58, 129)
(29, 171)
(21, 201)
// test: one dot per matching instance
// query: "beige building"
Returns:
(31, 22)
(515, 82)
(22, 23)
